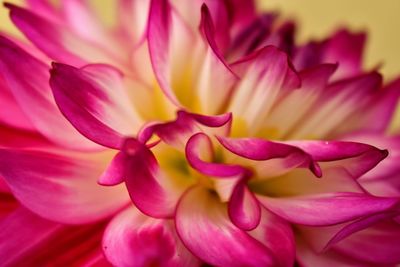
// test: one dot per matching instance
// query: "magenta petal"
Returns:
(33, 95)
(203, 225)
(176, 133)
(115, 172)
(243, 208)
(150, 189)
(94, 101)
(17, 228)
(201, 144)
(264, 150)
(327, 209)
(356, 158)
(135, 240)
(59, 188)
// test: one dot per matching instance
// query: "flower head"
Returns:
(192, 132)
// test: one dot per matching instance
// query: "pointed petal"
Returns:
(327, 209)
(94, 101)
(33, 95)
(203, 225)
(60, 188)
(132, 239)
(277, 157)
(355, 158)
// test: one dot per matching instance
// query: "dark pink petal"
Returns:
(204, 227)
(359, 225)
(48, 37)
(94, 101)
(12, 114)
(200, 154)
(151, 190)
(17, 228)
(115, 172)
(16, 138)
(243, 208)
(132, 239)
(60, 188)
(347, 49)
(376, 245)
(176, 133)
(327, 209)
(261, 151)
(356, 158)
(27, 78)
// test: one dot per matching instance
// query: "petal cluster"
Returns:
(191, 133)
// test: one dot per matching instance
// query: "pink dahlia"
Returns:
(192, 133)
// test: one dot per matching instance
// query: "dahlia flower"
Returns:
(192, 133)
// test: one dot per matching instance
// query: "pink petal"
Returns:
(355, 158)
(200, 144)
(60, 188)
(164, 29)
(94, 101)
(262, 151)
(151, 190)
(33, 95)
(244, 209)
(55, 39)
(337, 102)
(176, 133)
(215, 71)
(347, 49)
(327, 209)
(264, 74)
(17, 228)
(132, 239)
(203, 225)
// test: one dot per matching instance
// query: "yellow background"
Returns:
(317, 18)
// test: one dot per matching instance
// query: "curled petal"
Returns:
(177, 132)
(262, 151)
(327, 209)
(204, 227)
(244, 209)
(134, 240)
(60, 188)
(94, 101)
(194, 147)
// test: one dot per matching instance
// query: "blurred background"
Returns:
(317, 19)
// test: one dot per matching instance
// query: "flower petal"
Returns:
(59, 188)
(277, 157)
(204, 227)
(164, 30)
(244, 209)
(264, 74)
(132, 239)
(355, 158)
(152, 190)
(327, 209)
(94, 101)
(200, 144)
(34, 96)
